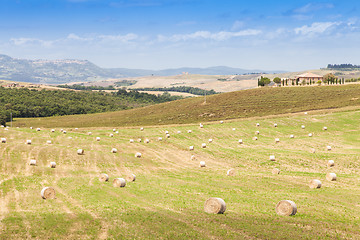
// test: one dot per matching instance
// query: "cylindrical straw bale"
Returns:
(291, 136)
(131, 140)
(38, 129)
(139, 140)
(48, 142)
(141, 129)
(64, 132)
(191, 148)
(89, 133)
(28, 142)
(305, 113)
(257, 132)
(201, 126)
(215, 205)
(313, 150)
(331, 177)
(103, 177)
(166, 132)
(192, 157)
(324, 128)
(80, 151)
(117, 132)
(275, 125)
(61, 130)
(331, 163)
(189, 131)
(277, 140)
(202, 164)
(167, 135)
(272, 158)
(97, 138)
(255, 138)
(221, 122)
(315, 183)
(53, 164)
(178, 131)
(147, 140)
(160, 139)
(138, 155)
(203, 145)
(231, 172)
(52, 130)
(48, 193)
(328, 148)
(210, 140)
(234, 129)
(76, 129)
(257, 124)
(275, 171)
(114, 150)
(119, 182)
(240, 141)
(32, 162)
(111, 135)
(114, 130)
(3, 140)
(286, 208)
(310, 134)
(130, 178)
(302, 126)
(31, 127)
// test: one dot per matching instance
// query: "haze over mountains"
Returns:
(71, 70)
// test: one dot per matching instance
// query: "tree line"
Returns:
(192, 90)
(23, 102)
(344, 65)
(86, 88)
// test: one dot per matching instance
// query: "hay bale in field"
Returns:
(178, 131)
(302, 126)
(315, 183)
(305, 113)
(275, 125)
(32, 162)
(234, 129)
(76, 129)
(139, 140)
(286, 208)
(80, 151)
(240, 141)
(3, 140)
(160, 139)
(119, 182)
(52, 130)
(291, 136)
(275, 171)
(53, 164)
(221, 122)
(272, 158)
(70, 137)
(257, 132)
(277, 140)
(231, 172)
(255, 138)
(141, 129)
(61, 130)
(310, 135)
(201, 126)
(28, 142)
(147, 141)
(202, 164)
(313, 150)
(203, 145)
(114, 150)
(191, 148)
(331, 176)
(48, 142)
(103, 177)
(2, 126)
(111, 135)
(117, 132)
(328, 148)
(258, 124)
(48, 193)
(6, 129)
(192, 157)
(114, 130)
(331, 163)
(138, 155)
(210, 140)
(89, 133)
(130, 178)
(131, 140)
(38, 129)
(97, 138)
(324, 128)
(31, 127)
(167, 135)
(64, 132)
(166, 132)
(189, 131)
(215, 205)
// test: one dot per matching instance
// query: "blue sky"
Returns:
(157, 34)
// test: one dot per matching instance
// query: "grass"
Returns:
(242, 104)
(166, 201)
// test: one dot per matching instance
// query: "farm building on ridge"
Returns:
(308, 77)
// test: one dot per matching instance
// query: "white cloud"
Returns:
(312, 7)
(315, 28)
(119, 38)
(30, 41)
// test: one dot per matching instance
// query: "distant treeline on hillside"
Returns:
(85, 88)
(23, 102)
(192, 90)
(347, 65)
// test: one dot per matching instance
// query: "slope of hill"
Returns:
(241, 104)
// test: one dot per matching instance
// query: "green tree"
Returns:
(329, 78)
(264, 81)
(277, 80)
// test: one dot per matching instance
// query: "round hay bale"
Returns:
(38, 129)
(324, 128)
(203, 145)
(52, 130)
(48, 193)
(103, 177)
(3, 140)
(328, 148)
(141, 129)
(160, 139)
(302, 127)
(111, 135)
(61, 130)
(277, 140)
(80, 151)
(114, 130)
(97, 138)
(315, 183)
(215, 205)
(70, 137)
(240, 141)
(31, 127)
(201, 126)
(210, 140)
(331, 177)
(312, 150)
(53, 164)
(275, 171)
(258, 124)
(48, 142)
(147, 141)
(231, 172)
(305, 113)
(76, 129)
(331, 163)
(291, 136)
(234, 129)
(310, 134)
(178, 131)
(139, 140)
(130, 178)
(138, 155)
(167, 135)
(221, 122)
(32, 162)
(202, 164)
(192, 157)
(189, 131)
(286, 208)
(131, 140)
(255, 138)
(119, 182)
(89, 133)
(28, 142)
(257, 132)
(6, 129)
(166, 132)
(64, 132)
(114, 150)
(272, 158)
(275, 125)
(191, 148)
(117, 132)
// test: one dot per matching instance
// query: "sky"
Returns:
(293, 35)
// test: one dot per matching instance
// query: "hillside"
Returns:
(242, 104)
(166, 201)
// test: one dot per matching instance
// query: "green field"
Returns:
(241, 104)
(167, 199)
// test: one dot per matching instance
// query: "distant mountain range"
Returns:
(69, 70)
